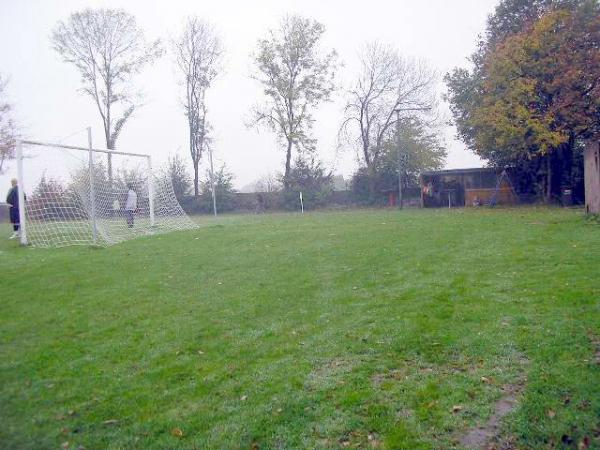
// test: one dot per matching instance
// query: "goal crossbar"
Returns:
(85, 149)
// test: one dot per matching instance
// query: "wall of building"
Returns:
(465, 187)
(592, 177)
(475, 197)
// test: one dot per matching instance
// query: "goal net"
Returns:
(81, 196)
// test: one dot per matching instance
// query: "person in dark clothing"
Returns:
(13, 200)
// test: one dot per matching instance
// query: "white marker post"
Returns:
(301, 203)
(21, 191)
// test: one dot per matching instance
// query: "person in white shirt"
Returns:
(115, 207)
(130, 205)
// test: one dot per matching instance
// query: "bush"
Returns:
(309, 177)
(179, 177)
(225, 193)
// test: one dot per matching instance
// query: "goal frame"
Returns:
(90, 150)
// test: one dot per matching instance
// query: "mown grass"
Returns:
(350, 329)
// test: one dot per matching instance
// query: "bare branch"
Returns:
(387, 82)
(8, 129)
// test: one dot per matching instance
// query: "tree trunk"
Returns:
(567, 164)
(288, 166)
(548, 178)
(110, 144)
(372, 184)
(370, 172)
(193, 154)
(196, 189)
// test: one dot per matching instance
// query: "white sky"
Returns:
(49, 107)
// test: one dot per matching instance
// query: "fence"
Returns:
(281, 201)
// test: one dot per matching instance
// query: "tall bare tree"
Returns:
(107, 47)
(388, 88)
(267, 183)
(296, 76)
(198, 54)
(8, 130)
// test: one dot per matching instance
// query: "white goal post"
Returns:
(78, 200)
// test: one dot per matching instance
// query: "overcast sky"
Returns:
(48, 106)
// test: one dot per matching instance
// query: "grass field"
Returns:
(369, 329)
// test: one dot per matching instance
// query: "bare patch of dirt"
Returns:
(360, 439)
(595, 340)
(330, 373)
(486, 437)
(394, 374)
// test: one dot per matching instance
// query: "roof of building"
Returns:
(458, 171)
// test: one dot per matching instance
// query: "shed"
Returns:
(591, 162)
(466, 187)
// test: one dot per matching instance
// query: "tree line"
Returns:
(532, 96)
(530, 99)
(108, 48)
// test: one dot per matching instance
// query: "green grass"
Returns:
(350, 329)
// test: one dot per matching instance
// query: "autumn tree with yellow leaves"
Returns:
(535, 94)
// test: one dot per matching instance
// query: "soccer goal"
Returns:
(87, 196)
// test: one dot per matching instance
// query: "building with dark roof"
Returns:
(466, 187)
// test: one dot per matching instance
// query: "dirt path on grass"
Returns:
(486, 437)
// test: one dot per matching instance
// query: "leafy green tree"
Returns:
(296, 76)
(178, 175)
(50, 199)
(513, 16)
(126, 176)
(421, 150)
(80, 178)
(534, 93)
(309, 176)
(224, 190)
(465, 86)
